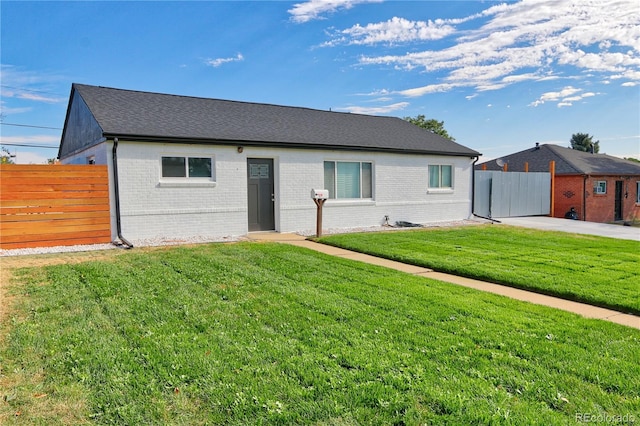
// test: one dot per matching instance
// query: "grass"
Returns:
(274, 334)
(596, 270)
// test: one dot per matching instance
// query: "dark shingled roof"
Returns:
(568, 162)
(144, 116)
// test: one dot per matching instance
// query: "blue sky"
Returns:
(501, 75)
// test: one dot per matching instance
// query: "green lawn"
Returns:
(596, 270)
(274, 334)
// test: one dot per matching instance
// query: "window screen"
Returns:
(199, 167)
(187, 167)
(348, 179)
(440, 176)
(173, 167)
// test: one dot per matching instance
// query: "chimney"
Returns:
(537, 145)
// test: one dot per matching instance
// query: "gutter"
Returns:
(293, 145)
(116, 189)
(473, 184)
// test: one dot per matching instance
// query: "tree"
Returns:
(584, 142)
(5, 156)
(431, 124)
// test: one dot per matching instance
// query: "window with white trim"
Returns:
(348, 179)
(600, 187)
(638, 192)
(187, 167)
(440, 176)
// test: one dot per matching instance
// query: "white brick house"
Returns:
(194, 167)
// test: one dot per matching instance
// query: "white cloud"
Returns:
(530, 40)
(220, 61)
(40, 98)
(629, 84)
(377, 92)
(18, 83)
(31, 158)
(431, 88)
(554, 96)
(44, 140)
(395, 30)
(375, 110)
(521, 77)
(315, 9)
(5, 110)
(565, 97)
(31, 155)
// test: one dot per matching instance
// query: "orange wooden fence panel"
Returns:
(53, 205)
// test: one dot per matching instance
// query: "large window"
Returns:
(348, 179)
(440, 176)
(187, 167)
(600, 187)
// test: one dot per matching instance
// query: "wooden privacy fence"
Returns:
(53, 205)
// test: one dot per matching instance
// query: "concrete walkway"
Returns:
(574, 226)
(585, 310)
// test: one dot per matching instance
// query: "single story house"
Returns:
(599, 187)
(185, 167)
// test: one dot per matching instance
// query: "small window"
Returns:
(638, 192)
(440, 176)
(200, 167)
(187, 167)
(348, 179)
(600, 187)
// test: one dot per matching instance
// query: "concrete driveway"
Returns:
(574, 226)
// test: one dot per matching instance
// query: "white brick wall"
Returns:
(150, 209)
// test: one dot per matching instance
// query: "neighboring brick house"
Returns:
(194, 167)
(601, 188)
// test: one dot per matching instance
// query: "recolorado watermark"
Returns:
(606, 418)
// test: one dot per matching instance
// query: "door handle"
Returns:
(273, 197)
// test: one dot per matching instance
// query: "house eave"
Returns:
(271, 144)
(84, 148)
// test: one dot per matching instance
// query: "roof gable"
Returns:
(152, 116)
(568, 161)
(81, 129)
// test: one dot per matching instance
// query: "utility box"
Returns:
(319, 194)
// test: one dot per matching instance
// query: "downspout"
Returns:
(116, 191)
(473, 192)
(473, 184)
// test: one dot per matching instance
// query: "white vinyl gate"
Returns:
(507, 194)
